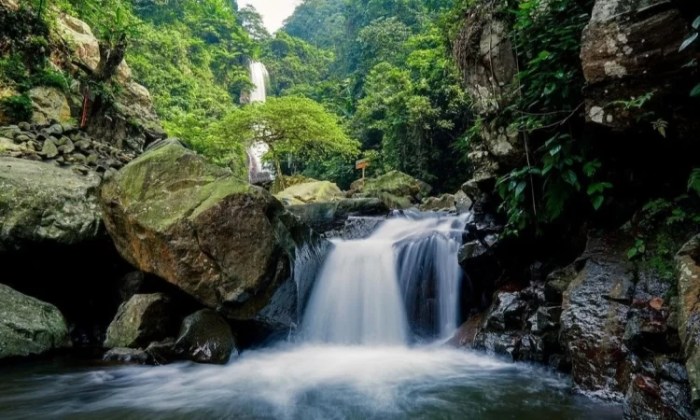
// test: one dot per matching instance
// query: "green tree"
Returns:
(293, 127)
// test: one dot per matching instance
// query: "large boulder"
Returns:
(41, 203)
(688, 267)
(594, 316)
(49, 104)
(139, 321)
(83, 44)
(205, 337)
(630, 48)
(396, 189)
(228, 244)
(29, 326)
(310, 192)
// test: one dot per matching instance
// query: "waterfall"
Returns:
(376, 290)
(259, 77)
(259, 172)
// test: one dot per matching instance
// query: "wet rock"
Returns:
(507, 312)
(162, 352)
(688, 268)
(329, 216)
(650, 399)
(594, 314)
(40, 203)
(139, 321)
(29, 326)
(205, 337)
(126, 355)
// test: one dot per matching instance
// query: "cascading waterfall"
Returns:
(369, 291)
(259, 172)
(352, 359)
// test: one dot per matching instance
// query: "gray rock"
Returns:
(67, 146)
(49, 150)
(139, 321)
(205, 337)
(42, 203)
(29, 326)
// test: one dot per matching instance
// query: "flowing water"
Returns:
(259, 171)
(356, 356)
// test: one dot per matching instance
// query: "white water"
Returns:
(356, 365)
(259, 77)
(258, 171)
(366, 286)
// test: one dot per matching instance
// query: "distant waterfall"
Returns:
(259, 77)
(404, 277)
(259, 172)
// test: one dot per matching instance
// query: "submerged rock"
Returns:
(40, 203)
(126, 355)
(228, 244)
(29, 326)
(139, 321)
(205, 337)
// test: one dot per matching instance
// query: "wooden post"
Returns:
(362, 164)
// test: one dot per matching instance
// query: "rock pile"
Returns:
(64, 145)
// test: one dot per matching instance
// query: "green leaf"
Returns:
(570, 177)
(556, 149)
(696, 23)
(590, 168)
(520, 188)
(597, 201)
(696, 91)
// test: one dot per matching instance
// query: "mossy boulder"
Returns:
(29, 326)
(219, 239)
(310, 192)
(41, 203)
(396, 189)
(139, 321)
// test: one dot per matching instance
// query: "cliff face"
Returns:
(597, 295)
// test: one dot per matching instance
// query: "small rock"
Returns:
(67, 146)
(92, 159)
(49, 150)
(162, 352)
(79, 158)
(126, 355)
(83, 145)
(139, 321)
(54, 129)
(24, 126)
(205, 337)
(21, 138)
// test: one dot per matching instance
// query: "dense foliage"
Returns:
(384, 68)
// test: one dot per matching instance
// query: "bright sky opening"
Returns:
(274, 12)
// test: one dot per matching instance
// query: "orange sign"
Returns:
(362, 164)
